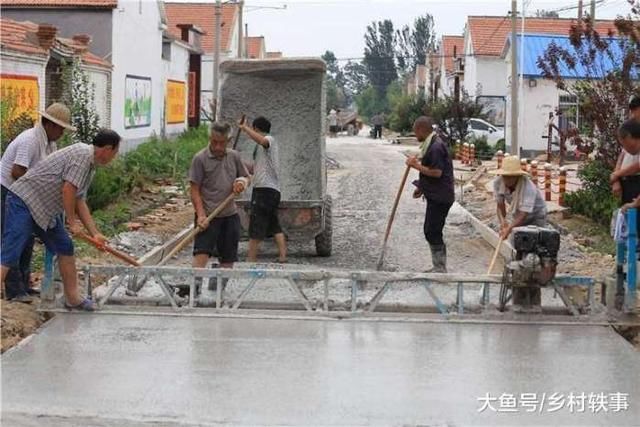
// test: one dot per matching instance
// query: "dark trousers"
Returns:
(17, 282)
(434, 221)
(377, 131)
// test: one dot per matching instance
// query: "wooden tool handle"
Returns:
(392, 216)
(495, 257)
(196, 229)
(235, 142)
(106, 248)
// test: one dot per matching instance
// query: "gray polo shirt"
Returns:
(26, 150)
(215, 178)
(266, 166)
(41, 187)
(532, 202)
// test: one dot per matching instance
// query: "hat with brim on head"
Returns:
(510, 167)
(59, 114)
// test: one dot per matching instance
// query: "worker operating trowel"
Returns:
(436, 185)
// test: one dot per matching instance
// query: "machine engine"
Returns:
(536, 257)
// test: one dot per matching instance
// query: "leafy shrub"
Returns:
(595, 200)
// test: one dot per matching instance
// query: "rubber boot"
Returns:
(438, 259)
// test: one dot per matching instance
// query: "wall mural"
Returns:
(22, 93)
(137, 102)
(175, 102)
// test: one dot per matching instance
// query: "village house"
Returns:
(256, 48)
(540, 97)
(202, 16)
(486, 74)
(450, 59)
(150, 68)
(31, 76)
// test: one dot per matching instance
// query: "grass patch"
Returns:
(593, 236)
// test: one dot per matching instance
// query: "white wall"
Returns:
(100, 80)
(26, 66)
(470, 67)
(178, 69)
(537, 103)
(491, 77)
(137, 50)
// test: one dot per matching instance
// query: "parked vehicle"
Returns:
(479, 128)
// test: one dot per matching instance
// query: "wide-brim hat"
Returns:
(59, 114)
(510, 167)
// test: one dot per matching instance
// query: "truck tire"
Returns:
(324, 239)
(351, 130)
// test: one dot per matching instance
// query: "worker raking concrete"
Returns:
(435, 185)
(216, 172)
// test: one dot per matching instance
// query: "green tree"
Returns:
(379, 55)
(356, 80)
(413, 43)
(370, 102)
(335, 88)
(80, 97)
(453, 117)
(541, 13)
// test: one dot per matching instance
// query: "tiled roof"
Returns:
(255, 47)
(21, 37)
(449, 44)
(274, 55)
(488, 33)
(101, 4)
(203, 16)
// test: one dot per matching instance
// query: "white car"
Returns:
(479, 128)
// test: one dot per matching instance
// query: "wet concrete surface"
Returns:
(94, 370)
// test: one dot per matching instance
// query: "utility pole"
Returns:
(593, 11)
(514, 78)
(216, 60)
(240, 28)
(246, 40)
(580, 8)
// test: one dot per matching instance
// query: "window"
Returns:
(476, 125)
(570, 109)
(166, 50)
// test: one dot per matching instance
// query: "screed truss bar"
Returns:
(298, 281)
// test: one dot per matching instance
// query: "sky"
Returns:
(310, 27)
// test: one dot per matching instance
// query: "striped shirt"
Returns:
(26, 150)
(41, 187)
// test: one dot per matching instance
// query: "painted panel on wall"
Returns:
(495, 107)
(175, 102)
(137, 102)
(24, 91)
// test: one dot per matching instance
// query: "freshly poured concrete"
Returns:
(105, 370)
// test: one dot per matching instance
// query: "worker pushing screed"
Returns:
(435, 184)
(36, 202)
(215, 172)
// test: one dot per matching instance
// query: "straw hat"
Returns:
(510, 167)
(59, 114)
